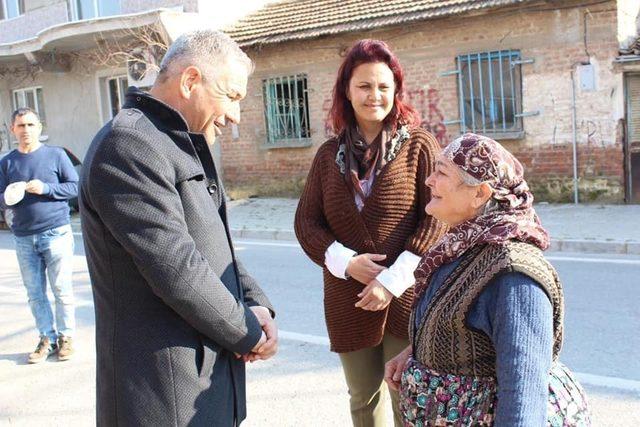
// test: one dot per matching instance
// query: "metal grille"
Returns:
(286, 109)
(490, 86)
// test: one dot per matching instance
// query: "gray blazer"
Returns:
(171, 299)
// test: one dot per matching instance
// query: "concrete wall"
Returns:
(38, 16)
(5, 115)
(554, 39)
(72, 105)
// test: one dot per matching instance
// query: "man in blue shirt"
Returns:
(36, 181)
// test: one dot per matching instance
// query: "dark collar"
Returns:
(161, 114)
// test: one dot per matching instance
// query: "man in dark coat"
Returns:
(177, 315)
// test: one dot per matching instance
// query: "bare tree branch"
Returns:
(144, 45)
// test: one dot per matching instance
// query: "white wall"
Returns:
(628, 22)
(71, 106)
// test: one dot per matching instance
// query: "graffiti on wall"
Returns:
(326, 106)
(427, 103)
(592, 132)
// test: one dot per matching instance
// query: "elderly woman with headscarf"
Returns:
(486, 326)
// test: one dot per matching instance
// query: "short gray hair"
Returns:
(205, 49)
(492, 204)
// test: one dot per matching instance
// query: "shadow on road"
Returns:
(16, 358)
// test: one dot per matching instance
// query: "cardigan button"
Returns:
(212, 188)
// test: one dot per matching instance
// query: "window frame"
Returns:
(39, 109)
(474, 69)
(121, 91)
(4, 10)
(300, 137)
(96, 10)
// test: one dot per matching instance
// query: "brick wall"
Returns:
(554, 39)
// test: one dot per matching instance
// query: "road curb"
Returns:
(596, 246)
(271, 234)
(557, 245)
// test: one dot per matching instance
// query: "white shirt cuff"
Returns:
(399, 277)
(336, 258)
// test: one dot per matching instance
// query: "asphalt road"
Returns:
(303, 384)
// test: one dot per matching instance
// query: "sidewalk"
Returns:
(611, 229)
(581, 228)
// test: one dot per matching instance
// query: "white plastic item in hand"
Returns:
(14, 193)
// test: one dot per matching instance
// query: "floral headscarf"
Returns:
(509, 214)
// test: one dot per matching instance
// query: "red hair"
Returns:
(341, 114)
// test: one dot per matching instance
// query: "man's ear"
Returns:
(189, 78)
(482, 195)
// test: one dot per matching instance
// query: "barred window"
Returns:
(286, 110)
(490, 93)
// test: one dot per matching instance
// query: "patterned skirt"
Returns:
(428, 398)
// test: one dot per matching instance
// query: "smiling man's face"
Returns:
(216, 101)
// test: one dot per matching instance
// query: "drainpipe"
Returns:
(574, 138)
(574, 126)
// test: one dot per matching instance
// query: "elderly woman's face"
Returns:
(452, 201)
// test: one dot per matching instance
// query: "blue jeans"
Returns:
(49, 254)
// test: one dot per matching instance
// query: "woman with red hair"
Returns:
(362, 218)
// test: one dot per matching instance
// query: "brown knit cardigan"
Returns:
(392, 220)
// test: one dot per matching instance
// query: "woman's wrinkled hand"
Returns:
(394, 367)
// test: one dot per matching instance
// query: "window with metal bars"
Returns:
(490, 93)
(286, 108)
